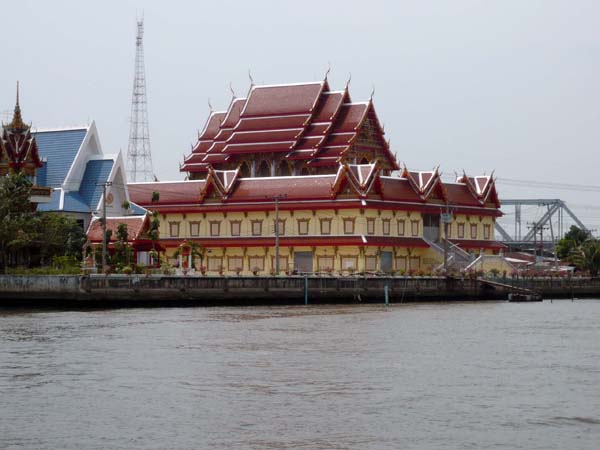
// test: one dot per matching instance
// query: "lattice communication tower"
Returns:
(139, 157)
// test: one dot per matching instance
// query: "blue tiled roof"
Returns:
(136, 209)
(96, 171)
(52, 205)
(59, 148)
(74, 203)
(41, 175)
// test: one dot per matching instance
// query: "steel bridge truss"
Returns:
(554, 207)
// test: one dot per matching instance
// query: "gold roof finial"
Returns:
(17, 120)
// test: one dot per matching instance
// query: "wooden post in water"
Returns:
(305, 289)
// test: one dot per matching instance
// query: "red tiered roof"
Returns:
(353, 186)
(306, 121)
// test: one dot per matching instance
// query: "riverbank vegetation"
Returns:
(579, 248)
(31, 240)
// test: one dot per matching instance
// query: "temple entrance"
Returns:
(303, 262)
(431, 227)
(385, 262)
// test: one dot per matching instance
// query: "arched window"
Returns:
(245, 170)
(283, 169)
(263, 169)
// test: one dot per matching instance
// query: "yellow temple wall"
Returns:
(343, 259)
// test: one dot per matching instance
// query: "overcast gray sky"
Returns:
(510, 86)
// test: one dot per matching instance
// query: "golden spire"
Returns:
(17, 120)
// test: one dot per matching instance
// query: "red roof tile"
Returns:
(233, 113)
(212, 126)
(135, 226)
(245, 137)
(170, 192)
(272, 123)
(331, 103)
(459, 194)
(301, 187)
(282, 100)
(275, 147)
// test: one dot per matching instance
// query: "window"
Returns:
(487, 231)
(401, 225)
(370, 225)
(256, 263)
(235, 263)
(371, 263)
(215, 263)
(215, 228)
(236, 226)
(386, 226)
(415, 262)
(349, 262)
(325, 263)
(280, 227)
(325, 226)
(194, 228)
(302, 226)
(460, 228)
(283, 263)
(256, 227)
(174, 229)
(348, 226)
(401, 263)
(473, 231)
(414, 227)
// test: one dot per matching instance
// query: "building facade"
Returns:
(299, 179)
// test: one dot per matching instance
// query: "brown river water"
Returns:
(479, 375)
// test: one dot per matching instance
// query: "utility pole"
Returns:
(446, 220)
(104, 243)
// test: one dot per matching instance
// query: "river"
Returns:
(480, 375)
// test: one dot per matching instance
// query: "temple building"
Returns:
(19, 153)
(75, 166)
(299, 178)
(67, 168)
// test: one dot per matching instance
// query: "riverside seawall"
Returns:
(159, 290)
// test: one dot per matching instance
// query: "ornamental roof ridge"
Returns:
(166, 182)
(63, 128)
(260, 86)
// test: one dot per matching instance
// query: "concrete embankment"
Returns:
(156, 290)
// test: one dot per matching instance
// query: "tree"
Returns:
(591, 256)
(572, 239)
(123, 250)
(58, 235)
(17, 216)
